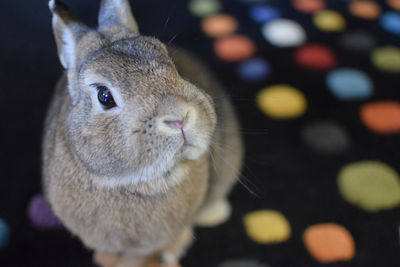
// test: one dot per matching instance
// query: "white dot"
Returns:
(284, 33)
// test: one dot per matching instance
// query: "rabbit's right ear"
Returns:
(117, 13)
(68, 30)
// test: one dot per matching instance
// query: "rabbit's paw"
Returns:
(157, 264)
(214, 214)
(105, 259)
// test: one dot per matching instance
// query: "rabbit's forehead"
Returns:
(116, 64)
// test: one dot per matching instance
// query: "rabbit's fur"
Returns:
(122, 180)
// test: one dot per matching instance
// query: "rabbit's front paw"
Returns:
(214, 213)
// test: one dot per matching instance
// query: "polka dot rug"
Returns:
(316, 87)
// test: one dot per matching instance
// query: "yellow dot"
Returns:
(281, 102)
(387, 58)
(330, 21)
(267, 226)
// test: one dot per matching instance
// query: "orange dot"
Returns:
(219, 25)
(365, 9)
(381, 117)
(309, 6)
(395, 4)
(329, 242)
(234, 48)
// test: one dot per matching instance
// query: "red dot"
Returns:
(309, 6)
(315, 56)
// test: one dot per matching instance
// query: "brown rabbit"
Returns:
(140, 143)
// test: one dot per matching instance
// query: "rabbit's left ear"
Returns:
(68, 30)
(117, 13)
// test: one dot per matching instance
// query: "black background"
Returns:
(285, 174)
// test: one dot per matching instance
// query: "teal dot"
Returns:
(349, 84)
(390, 21)
(4, 233)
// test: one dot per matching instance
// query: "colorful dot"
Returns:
(241, 263)
(4, 233)
(357, 41)
(330, 21)
(41, 215)
(204, 7)
(370, 185)
(234, 48)
(255, 2)
(326, 137)
(395, 4)
(309, 6)
(281, 102)
(253, 70)
(349, 84)
(365, 9)
(387, 58)
(284, 33)
(219, 25)
(381, 117)
(329, 242)
(390, 21)
(263, 13)
(315, 56)
(267, 226)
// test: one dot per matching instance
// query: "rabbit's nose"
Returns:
(177, 124)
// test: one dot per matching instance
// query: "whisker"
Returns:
(172, 39)
(239, 175)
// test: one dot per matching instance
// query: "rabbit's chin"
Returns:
(164, 174)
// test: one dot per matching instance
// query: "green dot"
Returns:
(370, 185)
(387, 58)
(203, 8)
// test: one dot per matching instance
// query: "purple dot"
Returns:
(41, 215)
(263, 13)
(253, 70)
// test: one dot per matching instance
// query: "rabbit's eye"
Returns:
(105, 97)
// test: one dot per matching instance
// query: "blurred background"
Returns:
(316, 85)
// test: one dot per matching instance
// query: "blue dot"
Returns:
(253, 70)
(349, 84)
(390, 21)
(263, 13)
(253, 2)
(4, 233)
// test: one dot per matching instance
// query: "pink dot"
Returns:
(315, 56)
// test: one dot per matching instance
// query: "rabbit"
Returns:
(140, 142)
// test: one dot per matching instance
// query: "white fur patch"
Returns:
(151, 173)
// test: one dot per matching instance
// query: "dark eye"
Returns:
(105, 97)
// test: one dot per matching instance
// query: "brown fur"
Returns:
(119, 179)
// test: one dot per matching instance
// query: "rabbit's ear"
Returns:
(68, 30)
(117, 13)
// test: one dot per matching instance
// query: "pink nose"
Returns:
(175, 124)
